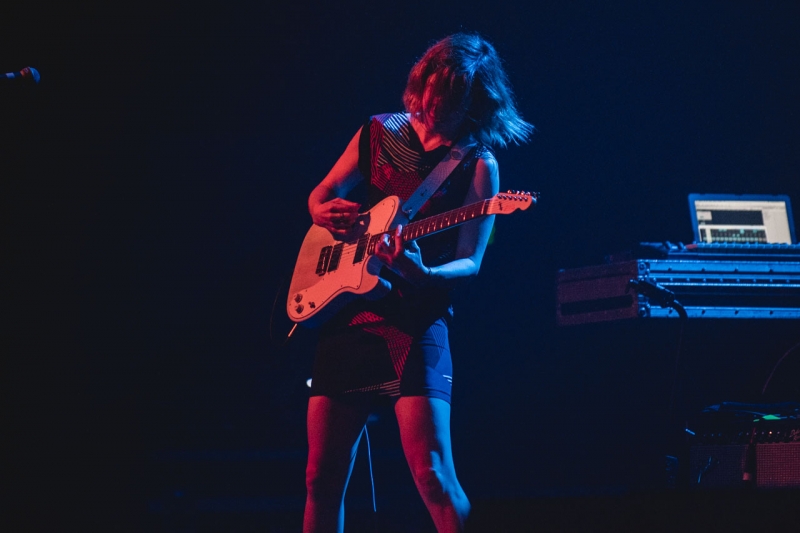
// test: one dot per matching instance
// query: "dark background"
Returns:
(154, 186)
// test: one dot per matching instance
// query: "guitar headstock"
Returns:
(507, 202)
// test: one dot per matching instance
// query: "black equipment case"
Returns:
(659, 288)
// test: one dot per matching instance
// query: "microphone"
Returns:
(26, 75)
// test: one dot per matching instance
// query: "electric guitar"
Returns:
(330, 272)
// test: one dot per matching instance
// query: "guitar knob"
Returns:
(299, 309)
(298, 297)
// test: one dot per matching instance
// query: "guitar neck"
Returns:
(443, 221)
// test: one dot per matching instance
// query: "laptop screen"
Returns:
(742, 218)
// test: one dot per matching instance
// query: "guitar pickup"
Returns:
(373, 243)
(361, 248)
(324, 260)
(335, 256)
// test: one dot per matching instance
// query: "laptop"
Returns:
(742, 219)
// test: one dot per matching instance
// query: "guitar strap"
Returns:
(437, 176)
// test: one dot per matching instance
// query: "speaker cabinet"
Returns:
(777, 465)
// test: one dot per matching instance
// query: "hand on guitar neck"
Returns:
(402, 257)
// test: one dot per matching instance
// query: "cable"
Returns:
(678, 307)
(660, 295)
(705, 469)
(676, 371)
(774, 368)
(371, 477)
(278, 292)
(664, 297)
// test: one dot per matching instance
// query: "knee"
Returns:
(433, 482)
(323, 484)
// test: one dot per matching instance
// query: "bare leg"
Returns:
(425, 433)
(334, 431)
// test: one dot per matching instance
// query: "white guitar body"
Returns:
(330, 272)
(312, 295)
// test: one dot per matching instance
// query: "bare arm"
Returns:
(474, 235)
(405, 258)
(326, 203)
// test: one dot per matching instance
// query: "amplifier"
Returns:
(705, 289)
(731, 438)
(776, 465)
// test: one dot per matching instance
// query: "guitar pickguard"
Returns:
(355, 272)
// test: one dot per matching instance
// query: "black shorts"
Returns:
(381, 360)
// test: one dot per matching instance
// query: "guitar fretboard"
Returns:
(330, 256)
(436, 223)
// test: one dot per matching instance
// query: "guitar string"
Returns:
(349, 249)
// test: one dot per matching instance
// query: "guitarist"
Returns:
(396, 348)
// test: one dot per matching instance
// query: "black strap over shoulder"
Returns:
(364, 152)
